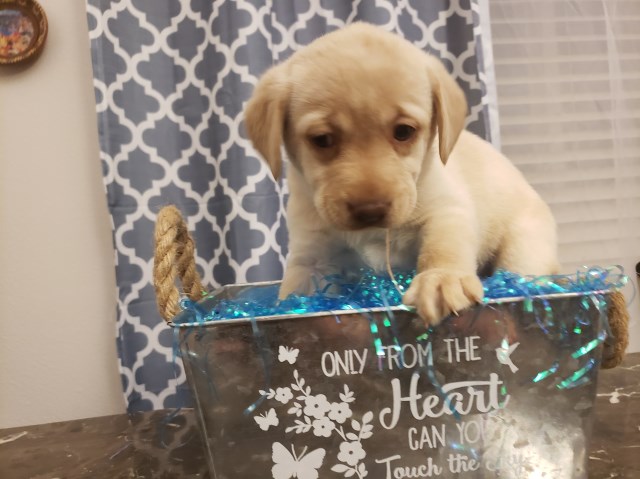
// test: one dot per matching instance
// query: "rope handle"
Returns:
(615, 346)
(174, 260)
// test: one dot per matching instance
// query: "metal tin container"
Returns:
(504, 390)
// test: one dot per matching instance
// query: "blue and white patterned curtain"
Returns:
(171, 78)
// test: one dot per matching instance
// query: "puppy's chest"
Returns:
(371, 248)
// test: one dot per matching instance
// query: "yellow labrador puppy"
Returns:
(373, 128)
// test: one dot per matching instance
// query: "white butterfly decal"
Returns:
(288, 466)
(288, 355)
(268, 420)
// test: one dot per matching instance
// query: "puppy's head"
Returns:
(357, 110)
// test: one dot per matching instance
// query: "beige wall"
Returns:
(57, 285)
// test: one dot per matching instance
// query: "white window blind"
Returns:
(568, 87)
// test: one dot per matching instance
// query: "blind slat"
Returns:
(534, 39)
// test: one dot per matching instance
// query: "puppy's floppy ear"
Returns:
(450, 106)
(265, 115)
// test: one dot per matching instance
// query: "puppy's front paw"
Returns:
(436, 293)
(297, 280)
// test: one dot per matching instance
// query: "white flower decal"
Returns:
(316, 406)
(339, 412)
(351, 453)
(316, 414)
(323, 427)
(283, 395)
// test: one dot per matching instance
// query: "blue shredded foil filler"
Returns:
(372, 290)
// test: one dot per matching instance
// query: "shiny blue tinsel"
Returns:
(372, 290)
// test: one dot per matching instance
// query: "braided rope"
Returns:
(174, 260)
(616, 345)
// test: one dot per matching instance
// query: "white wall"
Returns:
(57, 285)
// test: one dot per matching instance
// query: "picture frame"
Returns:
(23, 30)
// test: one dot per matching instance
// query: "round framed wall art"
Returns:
(23, 30)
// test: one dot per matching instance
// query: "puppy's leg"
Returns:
(529, 245)
(297, 279)
(446, 281)
(309, 257)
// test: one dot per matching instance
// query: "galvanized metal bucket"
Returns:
(504, 390)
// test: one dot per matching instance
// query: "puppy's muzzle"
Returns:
(369, 213)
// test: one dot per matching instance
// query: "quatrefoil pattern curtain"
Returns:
(171, 78)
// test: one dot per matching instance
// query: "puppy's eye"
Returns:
(403, 132)
(322, 141)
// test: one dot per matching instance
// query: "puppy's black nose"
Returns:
(369, 213)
